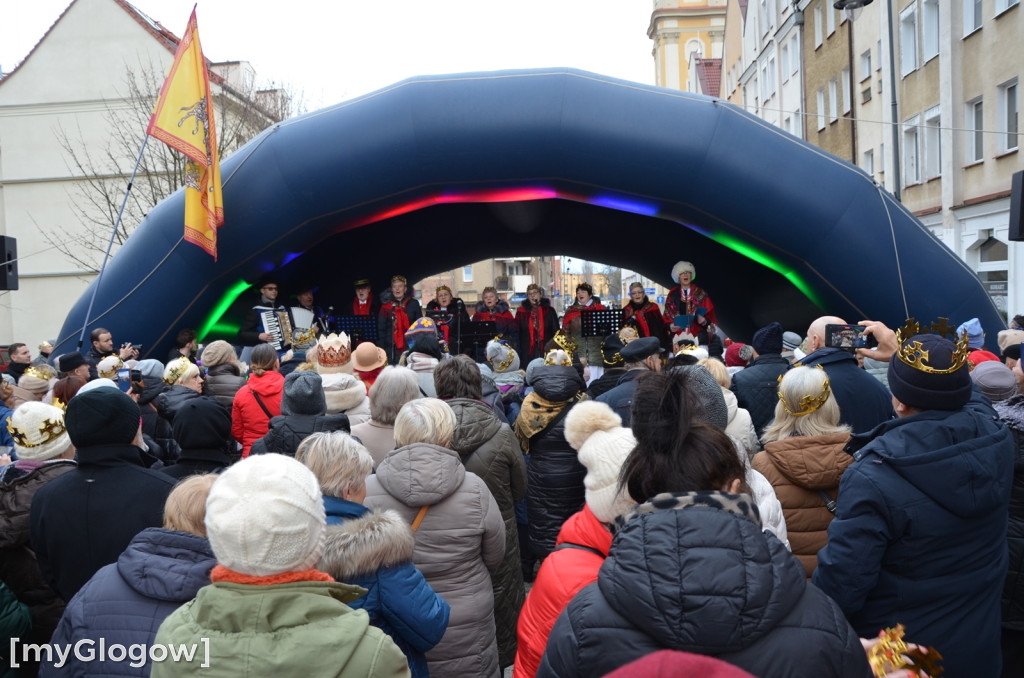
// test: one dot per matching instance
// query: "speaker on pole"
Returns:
(1016, 211)
(8, 262)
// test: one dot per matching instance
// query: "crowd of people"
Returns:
(658, 501)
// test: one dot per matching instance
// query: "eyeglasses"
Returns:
(270, 288)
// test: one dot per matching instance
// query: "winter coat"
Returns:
(193, 462)
(386, 323)
(345, 394)
(1012, 413)
(502, 317)
(537, 326)
(491, 394)
(256, 631)
(153, 425)
(84, 519)
(919, 536)
(489, 449)
(249, 422)
(757, 387)
(620, 398)
(863, 401)
(647, 318)
(252, 324)
(373, 549)
(423, 365)
(460, 541)
(377, 438)
(799, 468)
(15, 622)
(589, 347)
(170, 401)
(741, 426)
(287, 431)
(554, 490)
(695, 572)
(562, 575)
(606, 382)
(223, 382)
(697, 298)
(457, 321)
(125, 602)
(18, 566)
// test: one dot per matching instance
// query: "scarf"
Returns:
(401, 321)
(361, 308)
(421, 362)
(638, 312)
(221, 573)
(536, 414)
(536, 329)
(739, 504)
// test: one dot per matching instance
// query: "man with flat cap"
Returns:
(84, 519)
(639, 357)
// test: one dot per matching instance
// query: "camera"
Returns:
(848, 337)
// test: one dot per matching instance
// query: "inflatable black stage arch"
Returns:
(438, 171)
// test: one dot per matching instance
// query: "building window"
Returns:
(764, 83)
(975, 119)
(798, 124)
(830, 17)
(869, 162)
(865, 65)
(1003, 5)
(908, 40)
(881, 159)
(929, 29)
(833, 101)
(818, 19)
(467, 274)
(972, 16)
(785, 62)
(771, 74)
(1008, 115)
(846, 90)
(878, 51)
(911, 152)
(795, 54)
(993, 250)
(932, 143)
(821, 108)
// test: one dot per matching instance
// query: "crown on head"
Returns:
(48, 430)
(175, 369)
(559, 357)
(334, 350)
(628, 334)
(809, 403)
(566, 343)
(35, 373)
(503, 365)
(911, 352)
(108, 367)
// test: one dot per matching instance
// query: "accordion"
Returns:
(278, 326)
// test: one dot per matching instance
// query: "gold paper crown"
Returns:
(442, 287)
(503, 365)
(35, 373)
(50, 429)
(891, 653)
(628, 334)
(911, 353)
(399, 278)
(559, 357)
(334, 350)
(176, 368)
(110, 373)
(566, 343)
(808, 403)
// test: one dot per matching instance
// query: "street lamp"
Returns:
(852, 9)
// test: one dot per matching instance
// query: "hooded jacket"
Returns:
(1012, 413)
(863, 401)
(373, 549)
(695, 572)
(249, 422)
(125, 602)
(459, 543)
(489, 449)
(799, 467)
(286, 432)
(345, 394)
(919, 536)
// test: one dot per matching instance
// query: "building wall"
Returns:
(680, 27)
(823, 67)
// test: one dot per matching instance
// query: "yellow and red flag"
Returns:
(183, 119)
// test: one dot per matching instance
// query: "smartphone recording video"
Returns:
(848, 337)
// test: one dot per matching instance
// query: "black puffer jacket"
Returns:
(1012, 413)
(756, 387)
(170, 401)
(286, 432)
(695, 572)
(153, 425)
(555, 476)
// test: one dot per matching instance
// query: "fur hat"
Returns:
(683, 266)
(265, 516)
(108, 367)
(930, 391)
(975, 335)
(303, 394)
(1007, 338)
(734, 355)
(102, 416)
(595, 431)
(368, 357)
(70, 361)
(995, 380)
(502, 356)
(38, 431)
(333, 354)
(709, 392)
(768, 339)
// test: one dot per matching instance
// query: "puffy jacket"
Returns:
(799, 468)
(1012, 413)
(935, 483)
(562, 575)
(489, 449)
(286, 432)
(741, 426)
(15, 622)
(863, 401)
(154, 425)
(377, 438)
(620, 398)
(373, 549)
(555, 476)
(345, 394)
(606, 382)
(459, 543)
(223, 382)
(257, 631)
(757, 386)
(125, 602)
(249, 422)
(694, 572)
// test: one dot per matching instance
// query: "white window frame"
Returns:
(1003, 5)
(908, 40)
(819, 28)
(865, 65)
(467, 273)
(931, 143)
(798, 124)
(830, 18)
(868, 163)
(974, 117)
(845, 80)
(833, 100)
(929, 30)
(785, 62)
(911, 147)
(794, 54)
(1008, 116)
(821, 108)
(973, 18)
(771, 74)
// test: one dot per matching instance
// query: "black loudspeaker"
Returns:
(8, 263)
(1016, 211)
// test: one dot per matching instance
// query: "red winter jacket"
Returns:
(561, 576)
(249, 422)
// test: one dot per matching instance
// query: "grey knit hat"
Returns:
(303, 394)
(708, 391)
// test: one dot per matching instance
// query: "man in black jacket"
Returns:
(84, 519)
(640, 356)
(254, 330)
(756, 386)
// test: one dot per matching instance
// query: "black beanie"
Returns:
(929, 391)
(102, 416)
(768, 339)
(202, 423)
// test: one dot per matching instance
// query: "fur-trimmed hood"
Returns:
(363, 545)
(343, 392)
(499, 308)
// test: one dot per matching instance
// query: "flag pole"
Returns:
(106, 257)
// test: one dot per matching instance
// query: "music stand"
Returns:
(358, 327)
(476, 336)
(600, 323)
(454, 323)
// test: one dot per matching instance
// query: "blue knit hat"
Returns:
(768, 339)
(975, 334)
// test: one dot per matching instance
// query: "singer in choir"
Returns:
(645, 316)
(684, 300)
(453, 315)
(537, 323)
(268, 322)
(495, 309)
(398, 311)
(364, 303)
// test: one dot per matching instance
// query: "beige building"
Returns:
(682, 30)
(509, 275)
(828, 83)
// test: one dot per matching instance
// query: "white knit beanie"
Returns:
(265, 516)
(38, 431)
(596, 433)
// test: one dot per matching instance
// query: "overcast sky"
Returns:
(329, 50)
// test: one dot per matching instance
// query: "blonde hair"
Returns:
(717, 369)
(797, 383)
(427, 420)
(185, 508)
(170, 372)
(339, 462)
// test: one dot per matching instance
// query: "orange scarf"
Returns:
(221, 573)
